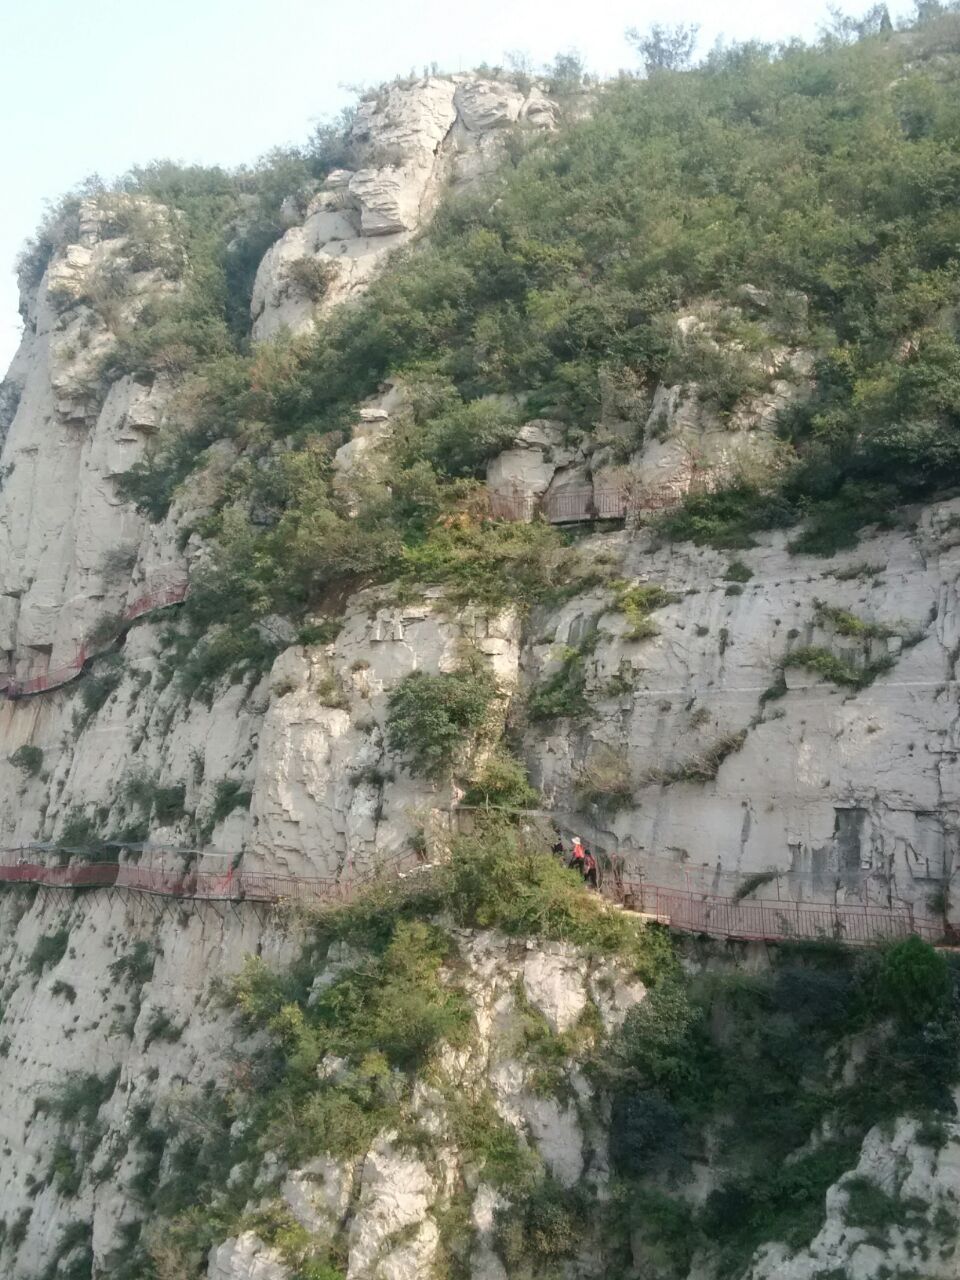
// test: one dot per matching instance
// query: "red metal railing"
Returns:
(232, 886)
(158, 598)
(758, 920)
(586, 503)
(772, 920)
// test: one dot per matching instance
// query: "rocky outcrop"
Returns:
(851, 794)
(408, 140)
(71, 551)
(912, 1185)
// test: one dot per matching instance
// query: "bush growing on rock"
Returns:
(28, 759)
(431, 719)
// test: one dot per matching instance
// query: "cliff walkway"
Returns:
(581, 504)
(691, 911)
(160, 596)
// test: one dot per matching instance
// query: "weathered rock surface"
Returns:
(921, 1180)
(246, 1257)
(408, 139)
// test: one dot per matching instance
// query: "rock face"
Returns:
(328, 797)
(921, 1182)
(850, 794)
(71, 552)
(726, 759)
(408, 139)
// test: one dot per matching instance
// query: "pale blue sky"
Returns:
(96, 86)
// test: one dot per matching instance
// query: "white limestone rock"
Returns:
(408, 140)
(554, 982)
(907, 1171)
(245, 1257)
(487, 104)
(396, 1194)
(318, 1195)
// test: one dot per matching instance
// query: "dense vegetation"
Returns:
(735, 1068)
(826, 177)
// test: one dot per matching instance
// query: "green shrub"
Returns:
(489, 1143)
(457, 438)
(737, 571)
(81, 835)
(309, 276)
(637, 603)
(50, 948)
(562, 695)
(873, 1209)
(497, 880)
(161, 1027)
(545, 1228)
(502, 782)
(605, 782)
(912, 980)
(838, 670)
(703, 767)
(726, 518)
(431, 719)
(28, 759)
(848, 624)
(135, 966)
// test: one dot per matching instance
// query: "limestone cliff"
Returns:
(705, 718)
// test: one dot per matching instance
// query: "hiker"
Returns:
(576, 856)
(589, 869)
(557, 847)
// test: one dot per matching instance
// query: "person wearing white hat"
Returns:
(576, 855)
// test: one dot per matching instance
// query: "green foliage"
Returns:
(873, 1209)
(912, 980)
(703, 767)
(501, 781)
(497, 880)
(562, 694)
(837, 670)
(605, 782)
(165, 804)
(432, 719)
(637, 603)
(49, 949)
(99, 684)
(493, 563)
(310, 277)
(228, 794)
(161, 1027)
(80, 835)
(727, 518)
(79, 1099)
(456, 437)
(28, 759)
(848, 624)
(665, 48)
(489, 1143)
(737, 571)
(759, 1060)
(135, 967)
(544, 1228)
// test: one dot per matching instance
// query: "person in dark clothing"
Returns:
(557, 848)
(589, 869)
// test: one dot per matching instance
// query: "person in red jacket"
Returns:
(576, 855)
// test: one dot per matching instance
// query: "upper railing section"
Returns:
(159, 596)
(574, 506)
